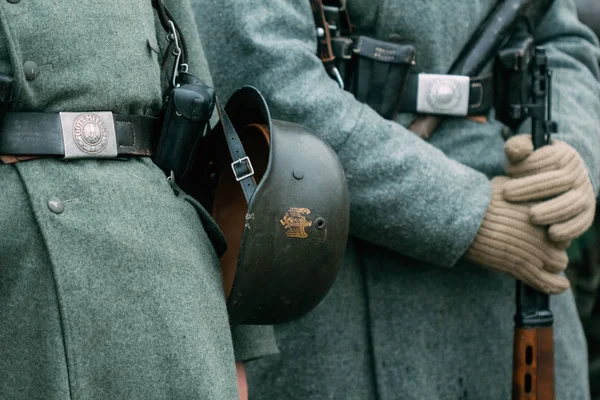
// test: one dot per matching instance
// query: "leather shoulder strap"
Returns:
(346, 28)
(324, 40)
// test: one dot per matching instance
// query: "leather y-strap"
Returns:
(346, 28)
(165, 17)
(175, 57)
(322, 9)
(324, 41)
(241, 165)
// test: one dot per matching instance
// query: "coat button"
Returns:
(14, 1)
(31, 70)
(56, 205)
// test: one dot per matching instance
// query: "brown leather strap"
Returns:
(346, 27)
(324, 47)
(324, 42)
(15, 159)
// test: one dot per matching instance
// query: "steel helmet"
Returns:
(281, 200)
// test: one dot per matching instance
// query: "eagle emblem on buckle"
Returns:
(89, 133)
(295, 223)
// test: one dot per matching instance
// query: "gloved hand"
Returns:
(555, 174)
(507, 241)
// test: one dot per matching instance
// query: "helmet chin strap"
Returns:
(243, 171)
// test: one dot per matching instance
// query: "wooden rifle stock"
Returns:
(533, 353)
(533, 357)
(533, 372)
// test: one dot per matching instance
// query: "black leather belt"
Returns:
(78, 135)
(448, 94)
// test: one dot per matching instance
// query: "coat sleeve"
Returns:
(405, 194)
(253, 341)
(573, 56)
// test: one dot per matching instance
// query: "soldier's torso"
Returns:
(437, 28)
(81, 55)
(118, 284)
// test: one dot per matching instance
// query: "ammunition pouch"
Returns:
(378, 72)
(375, 71)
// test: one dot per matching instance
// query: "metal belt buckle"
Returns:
(443, 94)
(245, 160)
(89, 135)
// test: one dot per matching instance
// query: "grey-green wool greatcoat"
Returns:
(118, 296)
(407, 318)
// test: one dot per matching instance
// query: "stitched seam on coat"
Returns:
(61, 313)
(361, 250)
(352, 131)
(14, 54)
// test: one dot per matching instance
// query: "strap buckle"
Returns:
(249, 167)
(89, 134)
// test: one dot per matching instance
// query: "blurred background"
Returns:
(584, 254)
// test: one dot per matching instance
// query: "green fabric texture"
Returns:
(407, 318)
(253, 341)
(119, 296)
(132, 281)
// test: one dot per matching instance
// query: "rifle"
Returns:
(484, 44)
(524, 91)
(533, 362)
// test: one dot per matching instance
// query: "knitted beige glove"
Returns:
(507, 241)
(556, 174)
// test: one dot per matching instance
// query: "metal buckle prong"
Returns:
(248, 164)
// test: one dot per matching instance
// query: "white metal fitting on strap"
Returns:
(248, 164)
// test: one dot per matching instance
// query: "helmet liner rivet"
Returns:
(298, 174)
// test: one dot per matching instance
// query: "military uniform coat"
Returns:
(408, 318)
(109, 286)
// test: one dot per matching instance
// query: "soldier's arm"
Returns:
(405, 194)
